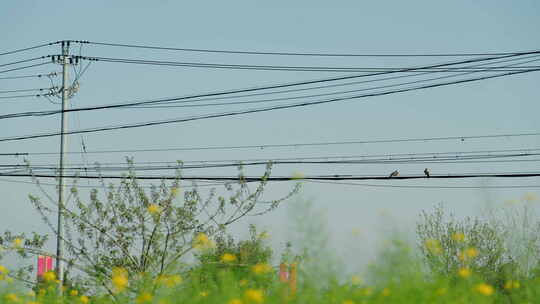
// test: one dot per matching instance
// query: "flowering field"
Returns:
(395, 278)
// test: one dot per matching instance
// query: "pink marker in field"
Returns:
(44, 265)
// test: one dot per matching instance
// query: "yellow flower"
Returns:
(203, 294)
(3, 270)
(169, 281)
(511, 284)
(74, 292)
(348, 302)
(119, 279)
(235, 301)
(228, 257)
(458, 237)
(471, 252)
(264, 235)
(484, 289)
(33, 302)
(530, 197)
(17, 243)
(49, 276)
(11, 297)
(261, 268)
(174, 191)
(202, 242)
(356, 280)
(254, 295)
(153, 209)
(385, 292)
(84, 299)
(297, 175)
(144, 297)
(464, 272)
(433, 246)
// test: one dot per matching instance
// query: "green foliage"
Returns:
(243, 255)
(448, 244)
(145, 231)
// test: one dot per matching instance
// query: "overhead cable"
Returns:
(245, 90)
(248, 111)
(315, 54)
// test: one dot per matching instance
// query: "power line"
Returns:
(23, 61)
(167, 104)
(53, 74)
(26, 90)
(428, 187)
(24, 67)
(252, 89)
(249, 111)
(29, 48)
(335, 177)
(311, 144)
(281, 68)
(315, 54)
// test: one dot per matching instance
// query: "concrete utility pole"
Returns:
(64, 60)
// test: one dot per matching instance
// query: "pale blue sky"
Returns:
(507, 105)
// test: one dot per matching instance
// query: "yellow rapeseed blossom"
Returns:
(154, 209)
(235, 301)
(3, 270)
(174, 191)
(144, 297)
(510, 284)
(530, 197)
(348, 302)
(202, 242)
(169, 280)
(458, 237)
(203, 294)
(254, 295)
(33, 302)
(17, 243)
(261, 268)
(264, 235)
(228, 257)
(433, 246)
(385, 292)
(356, 280)
(74, 292)
(297, 175)
(11, 297)
(484, 289)
(49, 276)
(464, 272)
(84, 299)
(471, 252)
(119, 279)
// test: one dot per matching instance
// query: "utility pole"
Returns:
(64, 60)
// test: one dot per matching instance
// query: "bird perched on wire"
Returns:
(426, 172)
(394, 174)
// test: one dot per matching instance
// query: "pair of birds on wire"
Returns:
(396, 173)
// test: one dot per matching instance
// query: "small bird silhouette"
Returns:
(426, 172)
(394, 174)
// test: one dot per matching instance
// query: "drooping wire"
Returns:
(29, 48)
(317, 54)
(253, 110)
(252, 89)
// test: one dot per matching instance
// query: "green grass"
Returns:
(396, 277)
